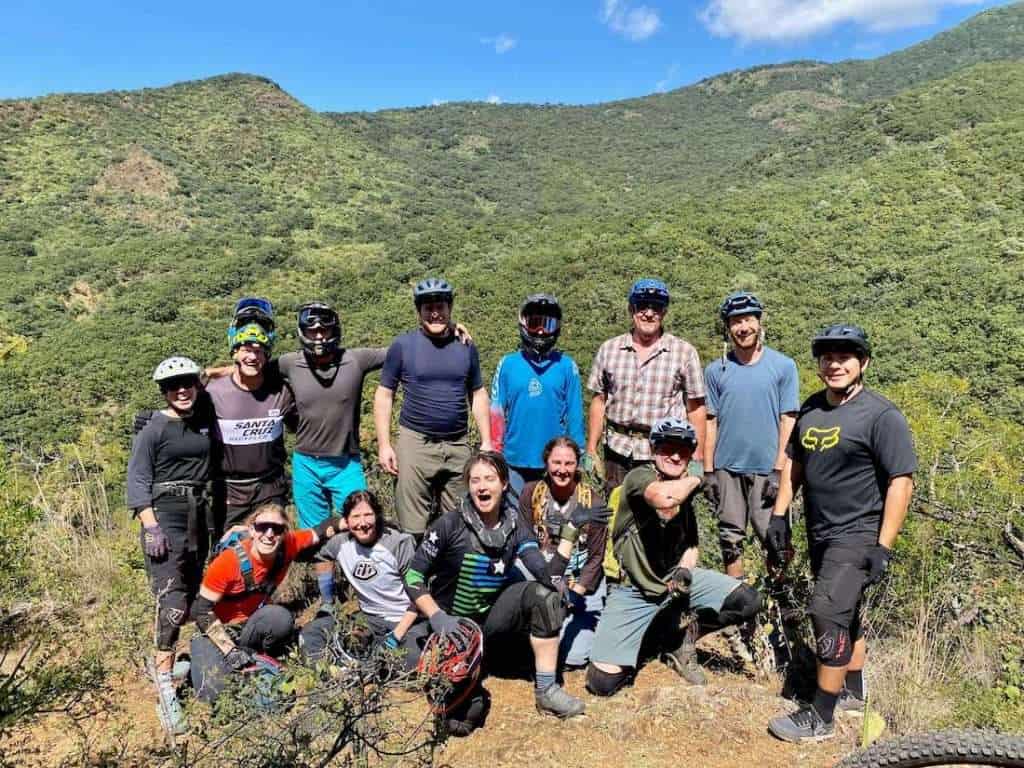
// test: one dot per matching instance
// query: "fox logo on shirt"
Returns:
(816, 438)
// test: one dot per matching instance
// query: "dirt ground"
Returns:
(658, 722)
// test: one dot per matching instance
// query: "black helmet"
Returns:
(540, 322)
(841, 336)
(432, 289)
(317, 314)
(671, 428)
(253, 309)
(740, 303)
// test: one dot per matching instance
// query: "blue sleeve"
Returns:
(789, 388)
(574, 404)
(474, 378)
(391, 374)
(711, 388)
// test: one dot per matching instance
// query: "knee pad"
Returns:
(171, 618)
(601, 683)
(833, 645)
(740, 606)
(546, 611)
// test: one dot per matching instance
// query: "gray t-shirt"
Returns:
(329, 399)
(248, 435)
(376, 573)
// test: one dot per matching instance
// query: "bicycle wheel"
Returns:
(943, 748)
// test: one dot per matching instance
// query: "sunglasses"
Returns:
(178, 382)
(647, 305)
(540, 324)
(277, 529)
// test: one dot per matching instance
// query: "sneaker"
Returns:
(738, 645)
(555, 700)
(803, 725)
(168, 709)
(850, 703)
(683, 660)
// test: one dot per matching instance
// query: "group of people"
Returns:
(509, 539)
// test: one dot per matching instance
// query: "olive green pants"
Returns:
(429, 478)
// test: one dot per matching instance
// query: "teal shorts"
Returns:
(628, 614)
(320, 485)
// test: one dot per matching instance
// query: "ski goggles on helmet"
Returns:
(317, 317)
(538, 323)
(253, 333)
(254, 308)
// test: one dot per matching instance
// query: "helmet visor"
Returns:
(538, 324)
(318, 317)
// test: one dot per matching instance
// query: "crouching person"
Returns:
(232, 611)
(374, 560)
(465, 567)
(654, 538)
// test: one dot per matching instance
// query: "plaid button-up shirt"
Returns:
(637, 395)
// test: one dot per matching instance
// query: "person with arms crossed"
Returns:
(852, 454)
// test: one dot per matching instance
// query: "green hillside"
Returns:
(888, 192)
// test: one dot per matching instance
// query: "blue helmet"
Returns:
(740, 303)
(649, 290)
(841, 336)
(432, 289)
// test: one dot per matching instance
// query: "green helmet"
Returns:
(251, 333)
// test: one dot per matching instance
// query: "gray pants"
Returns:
(267, 631)
(742, 504)
(429, 478)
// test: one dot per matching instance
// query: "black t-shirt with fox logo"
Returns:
(849, 453)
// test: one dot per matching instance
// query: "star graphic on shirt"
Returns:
(499, 567)
(432, 536)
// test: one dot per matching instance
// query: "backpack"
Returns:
(541, 494)
(268, 584)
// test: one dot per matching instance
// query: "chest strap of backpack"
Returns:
(268, 585)
(542, 495)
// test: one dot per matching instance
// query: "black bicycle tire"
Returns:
(942, 748)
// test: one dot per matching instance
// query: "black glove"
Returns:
(679, 580)
(876, 561)
(442, 623)
(141, 420)
(777, 539)
(711, 490)
(154, 542)
(770, 491)
(329, 528)
(238, 658)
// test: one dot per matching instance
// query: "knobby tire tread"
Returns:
(942, 748)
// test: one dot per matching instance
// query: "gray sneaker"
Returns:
(850, 703)
(556, 701)
(169, 710)
(738, 645)
(683, 661)
(802, 725)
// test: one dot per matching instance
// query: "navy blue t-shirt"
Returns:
(437, 376)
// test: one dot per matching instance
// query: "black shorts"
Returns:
(840, 575)
(524, 607)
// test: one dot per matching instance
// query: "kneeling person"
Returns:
(374, 559)
(655, 541)
(232, 610)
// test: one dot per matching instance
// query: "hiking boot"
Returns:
(172, 716)
(850, 703)
(738, 645)
(555, 700)
(683, 661)
(802, 725)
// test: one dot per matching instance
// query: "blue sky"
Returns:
(343, 56)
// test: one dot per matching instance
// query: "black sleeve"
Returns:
(140, 465)
(892, 444)
(417, 577)
(202, 613)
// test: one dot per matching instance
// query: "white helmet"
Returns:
(173, 367)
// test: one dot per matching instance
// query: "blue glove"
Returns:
(391, 642)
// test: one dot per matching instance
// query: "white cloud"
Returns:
(502, 43)
(670, 76)
(634, 24)
(438, 102)
(784, 20)
(493, 99)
